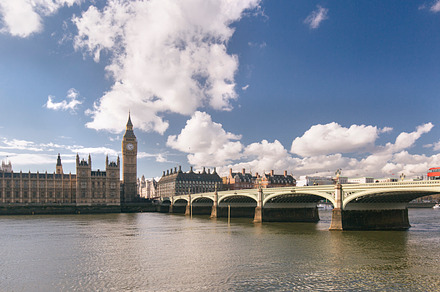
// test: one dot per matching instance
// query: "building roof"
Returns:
(190, 176)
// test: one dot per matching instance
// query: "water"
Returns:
(162, 252)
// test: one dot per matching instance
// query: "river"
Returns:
(164, 252)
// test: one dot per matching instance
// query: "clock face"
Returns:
(130, 146)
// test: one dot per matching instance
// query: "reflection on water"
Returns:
(162, 252)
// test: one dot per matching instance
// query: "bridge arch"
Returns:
(388, 195)
(300, 196)
(181, 201)
(202, 200)
(238, 197)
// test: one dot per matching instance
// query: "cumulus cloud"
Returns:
(207, 143)
(435, 7)
(333, 138)
(165, 56)
(24, 17)
(316, 17)
(71, 103)
(407, 140)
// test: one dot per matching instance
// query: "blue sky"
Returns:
(303, 86)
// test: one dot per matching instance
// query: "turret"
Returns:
(59, 167)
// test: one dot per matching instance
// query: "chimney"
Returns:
(209, 171)
(285, 173)
(230, 172)
(191, 169)
(243, 171)
(180, 168)
(271, 172)
(168, 172)
(204, 170)
(163, 173)
(175, 169)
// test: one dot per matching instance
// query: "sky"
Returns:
(304, 86)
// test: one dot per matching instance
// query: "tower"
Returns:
(59, 167)
(129, 163)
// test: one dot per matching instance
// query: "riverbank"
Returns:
(74, 209)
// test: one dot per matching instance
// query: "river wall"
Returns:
(74, 209)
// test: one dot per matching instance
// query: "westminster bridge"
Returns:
(374, 206)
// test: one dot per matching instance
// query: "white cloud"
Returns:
(16, 144)
(23, 17)
(244, 88)
(321, 147)
(93, 150)
(165, 56)
(407, 140)
(316, 17)
(333, 138)
(435, 7)
(207, 143)
(159, 157)
(71, 103)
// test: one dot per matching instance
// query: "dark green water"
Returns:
(161, 252)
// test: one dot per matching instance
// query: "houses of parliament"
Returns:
(85, 188)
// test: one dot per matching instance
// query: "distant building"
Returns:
(238, 180)
(147, 188)
(386, 179)
(86, 188)
(176, 182)
(129, 164)
(6, 166)
(242, 180)
(305, 180)
(272, 180)
(360, 180)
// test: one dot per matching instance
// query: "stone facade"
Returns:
(129, 164)
(147, 188)
(238, 180)
(86, 188)
(176, 182)
(242, 180)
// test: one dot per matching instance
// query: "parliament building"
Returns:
(85, 188)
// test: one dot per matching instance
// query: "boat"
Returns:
(325, 206)
(436, 206)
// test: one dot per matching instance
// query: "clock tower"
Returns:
(129, 164)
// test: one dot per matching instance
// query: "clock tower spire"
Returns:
(129, 163)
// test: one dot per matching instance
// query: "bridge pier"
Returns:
(368, 216)
(258, 216)
(214, 209)
(188, 207)
(337, 217)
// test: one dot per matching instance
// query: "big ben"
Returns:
(129, 163)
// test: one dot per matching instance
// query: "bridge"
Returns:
(374, 206)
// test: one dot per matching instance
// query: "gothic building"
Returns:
(86, 188)
(129, 164)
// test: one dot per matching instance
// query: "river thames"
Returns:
(163, 252)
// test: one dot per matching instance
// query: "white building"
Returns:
(318, 180)
(360, 180)
(147, 188)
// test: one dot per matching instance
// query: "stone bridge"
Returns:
(375, 206)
